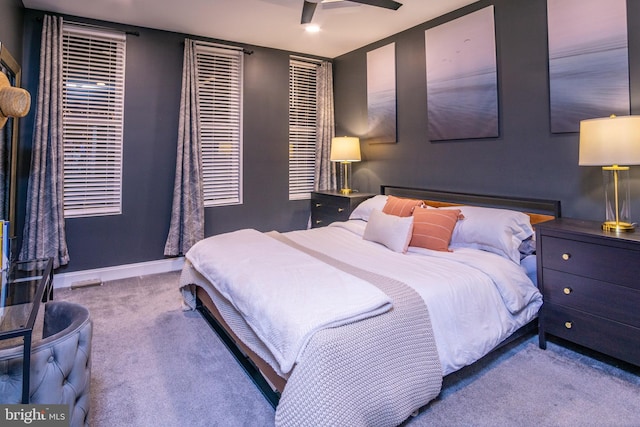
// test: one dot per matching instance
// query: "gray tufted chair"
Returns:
(60, 362)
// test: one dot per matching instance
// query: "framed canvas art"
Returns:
(462, 84)
(381, 94)
(588, 61)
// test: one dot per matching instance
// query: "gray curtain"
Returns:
(187, 214)
(325, 173)
(44, 231)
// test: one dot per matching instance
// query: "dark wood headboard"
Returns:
(539, 210)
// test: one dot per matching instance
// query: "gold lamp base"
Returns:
(345, 185)
(617, 222)
(617, 226)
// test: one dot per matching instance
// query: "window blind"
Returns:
(93, 67)
(220, 102)
(302, 128)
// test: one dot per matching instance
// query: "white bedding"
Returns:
(284, 294)
(465, 290)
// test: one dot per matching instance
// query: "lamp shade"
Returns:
(345, 149)
(610, 141)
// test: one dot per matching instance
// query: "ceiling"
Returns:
(345, 26)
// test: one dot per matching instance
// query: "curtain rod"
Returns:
(225, 46)
(99, 27)
(308, 60)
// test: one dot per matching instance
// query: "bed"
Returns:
(363, 318)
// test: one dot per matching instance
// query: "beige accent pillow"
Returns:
(390, 230)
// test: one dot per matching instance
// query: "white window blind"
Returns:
(302, 128)
(220, 102)
(93, 67)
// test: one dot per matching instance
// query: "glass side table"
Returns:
(24, 285)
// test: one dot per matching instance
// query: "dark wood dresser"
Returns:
(590, 282)
(331, 206)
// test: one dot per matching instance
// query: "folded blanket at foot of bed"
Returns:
(375, 371)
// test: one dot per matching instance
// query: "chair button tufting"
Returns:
(50, 359)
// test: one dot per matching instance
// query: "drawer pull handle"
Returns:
(318, 205)
(567, 291)
(568, 324)
(566, 257)
(340, 209)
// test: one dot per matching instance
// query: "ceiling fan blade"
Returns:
(387, 4)
(307, 11)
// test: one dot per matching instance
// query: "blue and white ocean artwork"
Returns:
(462, 85)
(381, 94)
(588, 61)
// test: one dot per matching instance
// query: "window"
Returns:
(302, 128)
(220, 102)
(93, 64)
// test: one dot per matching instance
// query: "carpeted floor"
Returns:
(154, 364)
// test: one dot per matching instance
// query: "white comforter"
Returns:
(283, 294)
(475, 298)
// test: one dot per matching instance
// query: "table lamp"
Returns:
(346, 150)
(613, 143)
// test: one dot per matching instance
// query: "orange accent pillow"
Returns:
(432, 228)
(400, 206)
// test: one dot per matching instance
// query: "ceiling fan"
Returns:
(309, 7)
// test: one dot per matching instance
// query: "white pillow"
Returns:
(390, 230)
(500, 231)
(363, 210)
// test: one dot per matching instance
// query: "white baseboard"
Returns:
(66, 280)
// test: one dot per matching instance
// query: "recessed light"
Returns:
(312, 28)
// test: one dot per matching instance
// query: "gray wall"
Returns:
(11, 12)
(526, 160)
(152, 99)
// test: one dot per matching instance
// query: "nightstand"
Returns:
(331, 206)
(590, 282)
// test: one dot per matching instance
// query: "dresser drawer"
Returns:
(603, 335)
(325, 210)
(601, 262)
(319, 219)
(593, 296)
(331, 206)
(328, 207)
